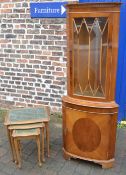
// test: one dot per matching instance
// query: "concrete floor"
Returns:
(56, 165)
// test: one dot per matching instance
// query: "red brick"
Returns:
(40, 71)
(46, 52)
(3, 1)
(1, 72)
(6, 11)
(58, 73)
(22, 61)
(4, 41)
(19, 104)
(58, 64)
(8, 6)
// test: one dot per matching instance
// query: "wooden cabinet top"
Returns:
(95, 6)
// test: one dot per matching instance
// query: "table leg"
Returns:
(19, 146)
(17, 152)
(43, 158)
(38, 145)
(11, 144)
(47, 138)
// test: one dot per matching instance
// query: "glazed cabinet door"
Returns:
(90, 43)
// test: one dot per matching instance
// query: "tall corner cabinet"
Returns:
(89, 109)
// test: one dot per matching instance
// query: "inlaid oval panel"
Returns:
(86, 134)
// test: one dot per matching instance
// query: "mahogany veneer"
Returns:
(89, 110)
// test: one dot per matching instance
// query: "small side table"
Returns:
(21, 118)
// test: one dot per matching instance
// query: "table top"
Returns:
(26, 132)
(27, 115)
(26, 126)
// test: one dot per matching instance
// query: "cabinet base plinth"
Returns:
(108, 165)
(104, 163)
(66, 156)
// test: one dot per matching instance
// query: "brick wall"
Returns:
(32, 57)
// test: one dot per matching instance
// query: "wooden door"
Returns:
(88, 135)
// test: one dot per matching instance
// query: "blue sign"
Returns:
(48, 10)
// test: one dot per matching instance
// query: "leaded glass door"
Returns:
(89, 56)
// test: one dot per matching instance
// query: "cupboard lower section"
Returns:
(89, 132)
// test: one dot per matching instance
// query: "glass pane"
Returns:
(81, 48)
(104, 54)
(89, 22)
(78, 22)
(90, 51)
(95, 47)
(76, 55)
(102, 22)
